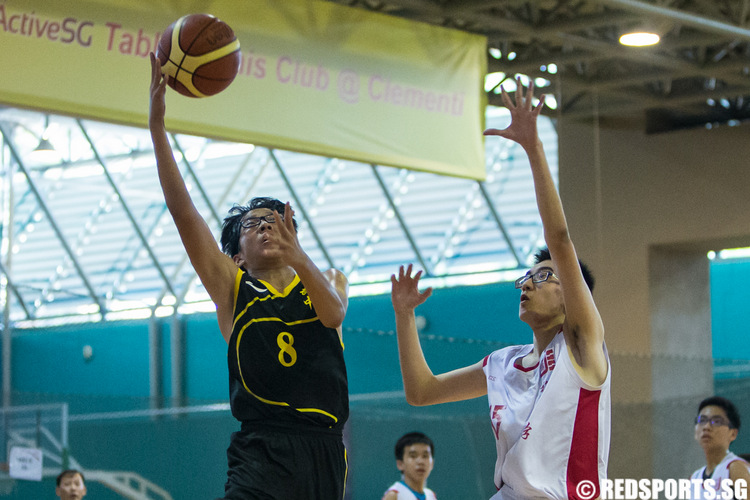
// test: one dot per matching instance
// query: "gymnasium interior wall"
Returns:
(185, 454)
(643, 211)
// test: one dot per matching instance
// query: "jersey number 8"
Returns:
(287, 354)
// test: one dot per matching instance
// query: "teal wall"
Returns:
(186, 455)
(730, 298)
(116, 368)
(730, 302)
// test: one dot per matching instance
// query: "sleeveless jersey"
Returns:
(552, 430)
(721, 473)
(285, 366)
(405, 493)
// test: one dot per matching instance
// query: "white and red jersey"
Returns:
(406, 493)
(552, 430)
(720, 473)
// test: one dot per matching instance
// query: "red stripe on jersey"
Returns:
(583, 463)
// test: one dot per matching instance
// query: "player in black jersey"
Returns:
(281, 317)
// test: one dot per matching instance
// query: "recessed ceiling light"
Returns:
(639, 39)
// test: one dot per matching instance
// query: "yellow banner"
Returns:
(315, 77)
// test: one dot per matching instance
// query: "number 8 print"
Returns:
(285, 341)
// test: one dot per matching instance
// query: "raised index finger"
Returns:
(152, 58)
(288, 216)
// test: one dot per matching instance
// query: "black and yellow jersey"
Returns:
(285, 366)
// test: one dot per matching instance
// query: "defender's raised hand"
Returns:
(523, 114)
(405, 292)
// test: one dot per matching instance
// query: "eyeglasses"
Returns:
(256, 221)
(715, 421)
(537, 277)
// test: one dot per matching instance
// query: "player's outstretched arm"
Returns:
(583, 329)
(421, 386)
(215, 270)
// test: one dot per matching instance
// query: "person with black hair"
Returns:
(716, 427)
(281, 318)
(70, 485)
(549, 401)
(415, 458)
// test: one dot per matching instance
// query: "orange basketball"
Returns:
(199, 54)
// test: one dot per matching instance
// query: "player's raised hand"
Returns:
(157, 106)
(523, 114)
(405, 293)
(285, 237)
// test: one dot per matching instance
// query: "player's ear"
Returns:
(400, 465)
(238, 260)
(733, 434)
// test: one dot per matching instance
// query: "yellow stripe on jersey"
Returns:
(278, 320)
(281, 403)
(249, 304)
(237, 281)
(272, 294)
(242, 378)
(286, 290)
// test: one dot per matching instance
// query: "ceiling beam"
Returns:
(53, 224)
(685, 18)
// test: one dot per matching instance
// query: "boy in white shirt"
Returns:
(414, 458)
(716, 427)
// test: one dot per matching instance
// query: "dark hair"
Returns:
(543, 254)
(231, 228)
(69, 472)
(410, 439)
(732, 414)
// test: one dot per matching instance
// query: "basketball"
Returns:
(199, 54)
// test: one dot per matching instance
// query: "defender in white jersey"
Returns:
(716, 426)
(549, 400)
(546, 419)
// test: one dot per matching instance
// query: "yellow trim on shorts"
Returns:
(346, 470)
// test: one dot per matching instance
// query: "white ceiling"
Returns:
(699, 74)
(86, 234)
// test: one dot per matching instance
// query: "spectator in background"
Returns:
(414, 458)
(716, 426)
(70, 485)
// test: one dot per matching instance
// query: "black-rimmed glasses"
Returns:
(538, 277)
(715, 421)
(251, 222)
